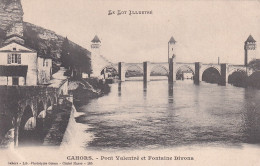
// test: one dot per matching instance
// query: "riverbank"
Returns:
(64, 125)
(85, 89)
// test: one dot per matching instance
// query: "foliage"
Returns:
(75, 58)
(255, 65)
(65, 58)
(238, 79)
(48, 44)
(254, 80)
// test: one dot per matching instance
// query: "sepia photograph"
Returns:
(120, 83)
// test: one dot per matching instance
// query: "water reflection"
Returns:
(140, 115)
(170, 92)
(119, 89)
(251, 116)
(145, 89)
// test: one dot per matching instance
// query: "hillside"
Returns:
(49, 44)
(46, 42)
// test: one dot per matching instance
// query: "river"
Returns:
(155, 115)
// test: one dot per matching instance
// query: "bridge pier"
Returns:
(224, 74)
(146, 69)
(121, 71)
(172, 70)
(197, 74)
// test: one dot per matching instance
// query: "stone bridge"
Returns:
(24, 109)
(172, 68)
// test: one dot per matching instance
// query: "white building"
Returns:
(20, 65)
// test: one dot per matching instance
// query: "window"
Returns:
(14, 58)
(14, 49)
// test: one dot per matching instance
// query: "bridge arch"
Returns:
(186, 66)
(210, 66)
(40, 122)
(236, 70)
(27, 114)
(159, 67)
(40, 106)
(180, 70)
(134, 67)
(211, 74)
(113, 73)
(41, 113)
(109, 66)
(27, 125)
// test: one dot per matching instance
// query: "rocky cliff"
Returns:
(46, 42)
(11, 15)
(10, 12)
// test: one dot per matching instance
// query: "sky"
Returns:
(204, 30)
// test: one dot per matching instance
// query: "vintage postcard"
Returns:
(120, 83)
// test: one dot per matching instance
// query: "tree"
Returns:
(254, 79)
(254, 65)
(65, 54)
(75, 58)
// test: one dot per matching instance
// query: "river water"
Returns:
(155, 115)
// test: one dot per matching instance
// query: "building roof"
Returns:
(172, 40)
(96, 40)
(12, 70)
(250, 39)
(32, 50)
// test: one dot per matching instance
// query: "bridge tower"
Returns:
(95, 54)
(250, 49)
(171, 48)
(172, 60)
(95, 46)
